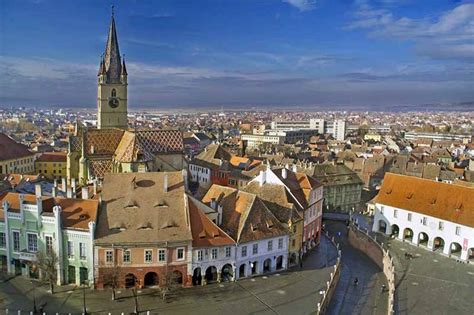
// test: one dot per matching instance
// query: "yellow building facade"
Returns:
(52, 165)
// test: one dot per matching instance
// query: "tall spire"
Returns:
(112, 62)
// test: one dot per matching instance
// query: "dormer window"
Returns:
(114, 93)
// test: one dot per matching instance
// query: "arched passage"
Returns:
(423, 239)
(455, 249)
(151, 279)
(211, 274)
(130, 280)
(470, 254)
(382, 226)
(197, 278)
(227, 273)
(395, 230)
(279, 263)
(177, 277)
(267, 265)
(242, 271)
(438, 244)
(254, 266)
(408, 235)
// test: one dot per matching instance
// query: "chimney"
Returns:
(185, 179)
(94, 182)
(85, 192)
(165, 183)
(287, 167)
(219, 214)
(283, 173)
(263, 178)
(295, 168)
(73, 187)
(63, 184)
(213, 203)
(38, 190)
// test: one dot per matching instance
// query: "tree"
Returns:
(170, 282)
(112, 276)
(48, 265)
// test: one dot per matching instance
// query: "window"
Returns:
(199, 255)
(440, 225)
(395, 213)
(294, 228)
(161, 255)
(109, 256)
(409, 217)
(82, 251)
(114, 93)
(2, 240)
(49, 244)
(458, 230)
(214, 253)
(70, 249)
(280, 243)
(270, 246)
(255, 249)
(293, 242)
(244, 251)
(126, 256)
(425, 220)
(32, 243)
(148, 256)
(228, 251)
(180, 254)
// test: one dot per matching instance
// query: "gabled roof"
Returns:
(205, 232)
(75, 214)
(137, 209)
(244, 216)
(448, 202)
(10, 149)
(212, 156)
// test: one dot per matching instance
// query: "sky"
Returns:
(241, 53)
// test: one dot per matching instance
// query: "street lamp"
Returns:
(35, 311)
(84, 285)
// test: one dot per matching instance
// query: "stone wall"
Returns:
(365, 243)
(333, 281)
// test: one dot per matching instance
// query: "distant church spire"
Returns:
(112, 62)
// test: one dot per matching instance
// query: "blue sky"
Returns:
(241, 53)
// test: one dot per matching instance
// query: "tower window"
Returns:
(114, 93)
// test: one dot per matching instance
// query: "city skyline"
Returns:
(242, 54)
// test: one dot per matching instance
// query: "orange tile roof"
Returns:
(448, 202)
(76, 213)
(205, 232)
(52, 157)
(10, 149)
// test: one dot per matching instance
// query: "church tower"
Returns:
(112, 85)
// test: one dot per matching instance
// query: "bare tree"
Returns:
(112, 276)
(48, 265)
(170, 282)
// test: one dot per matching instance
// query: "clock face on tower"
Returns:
(113, 102)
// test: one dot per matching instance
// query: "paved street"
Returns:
(431, 283)
(366, 297)
(275, 294)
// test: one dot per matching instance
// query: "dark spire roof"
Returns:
(112, 61)
(124, 69)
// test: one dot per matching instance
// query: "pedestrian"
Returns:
(356, 281)
(301, 262)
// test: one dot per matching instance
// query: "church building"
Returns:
(112, 147)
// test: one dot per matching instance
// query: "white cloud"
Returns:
(302, 5)
(452, 31)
